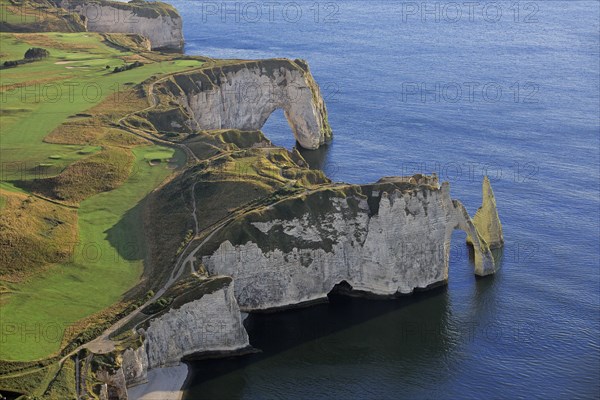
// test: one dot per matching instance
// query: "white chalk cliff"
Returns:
(243, 96)
(135, 365)
(159, 22)
(382, 239)
(389, 238)
(212, 323)
(209, 324)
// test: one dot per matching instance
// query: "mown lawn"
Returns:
(37, 97)
(107, 262)
(108, 257)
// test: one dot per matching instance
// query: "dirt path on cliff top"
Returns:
(137, 132)
(103, 344)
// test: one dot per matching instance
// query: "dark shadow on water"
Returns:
(412, 330)
(321, 159)
(486, 299)
(317, 159)
(9, 395)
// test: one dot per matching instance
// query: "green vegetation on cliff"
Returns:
(72, 234)
(85, 151)
(47, 16)
(37, 16)
(39, 97)
(107, 261)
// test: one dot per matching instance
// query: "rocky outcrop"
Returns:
(243, 95)
(135, 366)
(212, 323)
(387, 239)
(486, 219)
(157, 21)
(103, 392)
(113, 385)
(202, 319)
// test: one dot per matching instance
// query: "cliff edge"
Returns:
(159, 22)
(242, 95)
(385, 239)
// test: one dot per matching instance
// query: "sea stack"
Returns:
(486, 219)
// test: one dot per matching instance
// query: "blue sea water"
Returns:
(508, 89)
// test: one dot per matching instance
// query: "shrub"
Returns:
(31, 55)
(11, 63)
(35, 53)
(127, 67)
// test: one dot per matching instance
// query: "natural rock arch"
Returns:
(243, 96)
(387, 239)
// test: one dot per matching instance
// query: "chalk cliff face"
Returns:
(196, 323)
(114, 386)
(243, 96)
(135, 366)
(212, 323)
(159, 22)
(386, 239)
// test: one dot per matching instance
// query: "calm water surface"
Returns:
(511, 92)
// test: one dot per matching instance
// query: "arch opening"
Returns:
(342, 289)
(461, 262)
(278, 130)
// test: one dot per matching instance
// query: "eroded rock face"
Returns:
(116, 386)
(211, 324)
(135, 366)
(486, 219)
(244, 95)
(385, 239)
(159, 22)
(103, 395)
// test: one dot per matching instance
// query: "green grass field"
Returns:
(51, 92)
(107, 262)
(108, 257)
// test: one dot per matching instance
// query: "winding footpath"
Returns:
(103, 343)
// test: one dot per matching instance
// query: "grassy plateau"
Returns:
(99, 176)
(72, 185)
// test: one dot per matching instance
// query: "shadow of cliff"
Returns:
(127, 241)
(408, 329)
(317, 159)
(127, 235)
